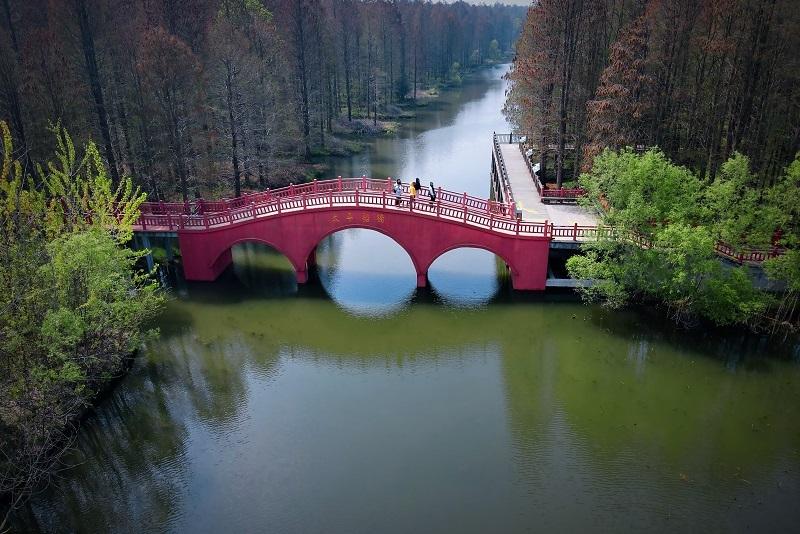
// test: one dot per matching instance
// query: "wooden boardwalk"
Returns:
(570, 224)
(530, 202)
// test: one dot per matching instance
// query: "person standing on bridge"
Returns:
(418, 185)
(432, 193)
(412, 192)
(398, 192)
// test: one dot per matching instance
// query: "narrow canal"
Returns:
(359, 404)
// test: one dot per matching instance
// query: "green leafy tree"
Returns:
(494, 54)
(643, 192)
(82, 195)
(73, 304)
(660, 250)
(454, 76)
(784, 197)
(735, 208)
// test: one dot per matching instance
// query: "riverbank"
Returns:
(342, 138)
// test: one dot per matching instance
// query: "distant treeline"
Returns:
(195, 94)
(700, 79)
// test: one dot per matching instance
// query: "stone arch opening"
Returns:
(364, 271)
(417, 265)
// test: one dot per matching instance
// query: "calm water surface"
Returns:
(359, 404)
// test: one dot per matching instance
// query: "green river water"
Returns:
(360, 404)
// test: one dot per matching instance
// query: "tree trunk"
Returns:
(87, 42)
(347, 87)
(415, 71)
(13, 90)
(303, 75)
(237, 183)
(563, 102)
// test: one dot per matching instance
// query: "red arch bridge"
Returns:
(294, 219)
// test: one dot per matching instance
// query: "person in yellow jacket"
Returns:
(412, 191)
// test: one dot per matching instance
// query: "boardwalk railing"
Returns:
(746, 255)
(529, 164)
(501, 169)
(547, 195)
(576, 232)
(563, 194)
(586, 233)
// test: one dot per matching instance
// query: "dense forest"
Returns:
(699, 79)
(681, 121)
(226, 94)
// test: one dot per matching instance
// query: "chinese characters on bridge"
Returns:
(363, 217)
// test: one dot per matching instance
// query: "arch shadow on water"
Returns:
(468, 277)
(257, 271)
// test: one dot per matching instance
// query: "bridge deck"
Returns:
(530, 202)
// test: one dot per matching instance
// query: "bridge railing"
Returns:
(494, 216)
(199, 207)
(351, 192)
